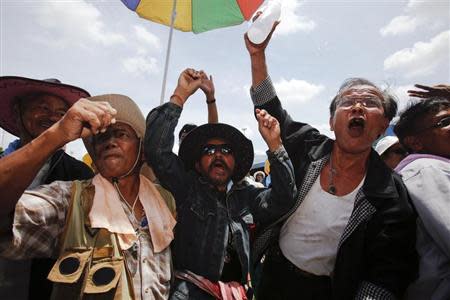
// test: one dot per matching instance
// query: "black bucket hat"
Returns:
(190, 148)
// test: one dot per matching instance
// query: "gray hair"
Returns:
(389, 102)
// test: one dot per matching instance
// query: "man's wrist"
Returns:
(273, 147)
(176, 99)
(210, 101)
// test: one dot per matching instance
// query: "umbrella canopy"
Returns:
(195, 15)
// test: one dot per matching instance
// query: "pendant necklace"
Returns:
(331, 187)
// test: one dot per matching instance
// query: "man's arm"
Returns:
(208, 88)
(264, 96)
(20, 167)
(272, 203)
(159, 136)
(38, 220)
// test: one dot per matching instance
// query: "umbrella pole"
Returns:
(169, 45)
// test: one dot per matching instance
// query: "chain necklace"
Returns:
(125, 201)
(331, 187)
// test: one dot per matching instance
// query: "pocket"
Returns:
(69, 266)
(103, 276)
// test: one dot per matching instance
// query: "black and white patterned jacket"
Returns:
(376, 256)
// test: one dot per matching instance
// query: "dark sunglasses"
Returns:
(209, 149)
(444, 122)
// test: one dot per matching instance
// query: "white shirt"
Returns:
(310, 237)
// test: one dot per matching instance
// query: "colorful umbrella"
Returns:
(193, 15)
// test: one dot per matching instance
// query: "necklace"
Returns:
(125, 201)
(331, 187)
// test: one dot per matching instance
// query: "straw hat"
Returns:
(14, 87)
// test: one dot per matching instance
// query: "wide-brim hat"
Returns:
(127, 112)
(13, 87)
(190, 148)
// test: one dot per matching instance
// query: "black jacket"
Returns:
(203, 219)
(376, 254)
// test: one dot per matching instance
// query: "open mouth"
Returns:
(356, 122)
(219, 164)
(356, 126)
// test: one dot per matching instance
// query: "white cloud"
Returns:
(291, 21)
(400, 24)
(433, 14)
(297, 91)
(146, 37)
(402, 95)
(76, 22)
(422, 59)
(140, 65)
(324, 129)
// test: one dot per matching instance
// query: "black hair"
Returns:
(186, 129)
(389, 102)
(414, 114)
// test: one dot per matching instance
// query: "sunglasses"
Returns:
(210, 149)
(444, 122)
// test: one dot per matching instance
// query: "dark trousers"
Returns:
(282, 280)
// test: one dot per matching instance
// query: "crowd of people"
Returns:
(354, 217)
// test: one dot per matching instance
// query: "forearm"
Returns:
(276, 201)
(213, 116)
(20, 167)
(259, 68)
(158, 144)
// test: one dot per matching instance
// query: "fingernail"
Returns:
(113, 121)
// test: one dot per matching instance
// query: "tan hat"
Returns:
(127, 112)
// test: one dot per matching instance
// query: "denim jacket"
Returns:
(203, 221)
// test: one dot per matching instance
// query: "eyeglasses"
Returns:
(444, 122)
(367, 102)
(210, 149)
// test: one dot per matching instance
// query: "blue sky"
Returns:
(103, 47)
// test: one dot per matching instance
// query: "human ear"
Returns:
(330, 121)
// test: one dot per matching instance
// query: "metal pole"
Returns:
(169, 44)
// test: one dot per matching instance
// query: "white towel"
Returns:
(107, 212)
